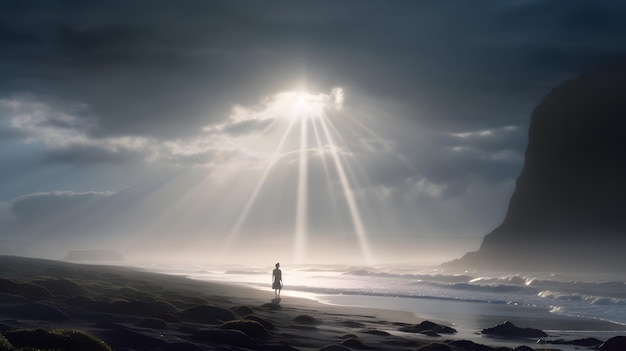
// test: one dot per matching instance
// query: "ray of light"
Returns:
(171, 214)
(357, 222)
(321, 147)
(244, 213)
(301, 206)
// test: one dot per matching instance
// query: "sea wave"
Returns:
(591, 299)
(508, 279)
(428, 277)
(495, 288)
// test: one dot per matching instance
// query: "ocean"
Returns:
(573, 304)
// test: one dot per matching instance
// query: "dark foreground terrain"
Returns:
(50, 305)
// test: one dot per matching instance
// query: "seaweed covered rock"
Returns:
(253, 329)
(427, 326)
(616, 343)
(267, 324)
(306, 319)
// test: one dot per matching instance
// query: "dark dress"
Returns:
(278, 277)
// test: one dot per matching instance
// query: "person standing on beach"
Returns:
(277, 280)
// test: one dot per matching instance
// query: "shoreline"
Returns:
(575, 327)
(134, 309)
(428, 307)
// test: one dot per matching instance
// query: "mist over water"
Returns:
(473, 300)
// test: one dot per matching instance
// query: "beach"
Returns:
(58, 305)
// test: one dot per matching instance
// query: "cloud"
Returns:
(144, 74)
(424, 187)
(67, 135)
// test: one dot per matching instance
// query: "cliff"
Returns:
(568, 211)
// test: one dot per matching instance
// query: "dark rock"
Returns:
(352, 324)
(352, 343)
(577, 342)
(253, 329)
(428, 326)
(435, 346)
(207, 314)
(616, 343)
(429, 332)
(24, 289)
(508, 329)
(469, 345)
(36, 311)
(275, 347)
(334, 347)
(267, 324)
(524, 348)
(12, 299)
(399, 342)
(61, 287)
(570, 196)
(374, 332)
(243, 310)
(306, 319)
(271, 306)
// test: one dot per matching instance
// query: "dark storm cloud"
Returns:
(143, 66)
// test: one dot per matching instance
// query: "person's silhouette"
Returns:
(277, 280)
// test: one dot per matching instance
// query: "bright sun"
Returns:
(307, 105)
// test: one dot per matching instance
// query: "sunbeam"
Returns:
(321, 149)
(244, 213)
(352, 206)
(305, 108)
(301, 207)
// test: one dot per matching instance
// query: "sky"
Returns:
(358, 132)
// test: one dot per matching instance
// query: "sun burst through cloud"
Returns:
(304, 122)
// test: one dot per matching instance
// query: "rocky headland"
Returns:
(568, 208)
